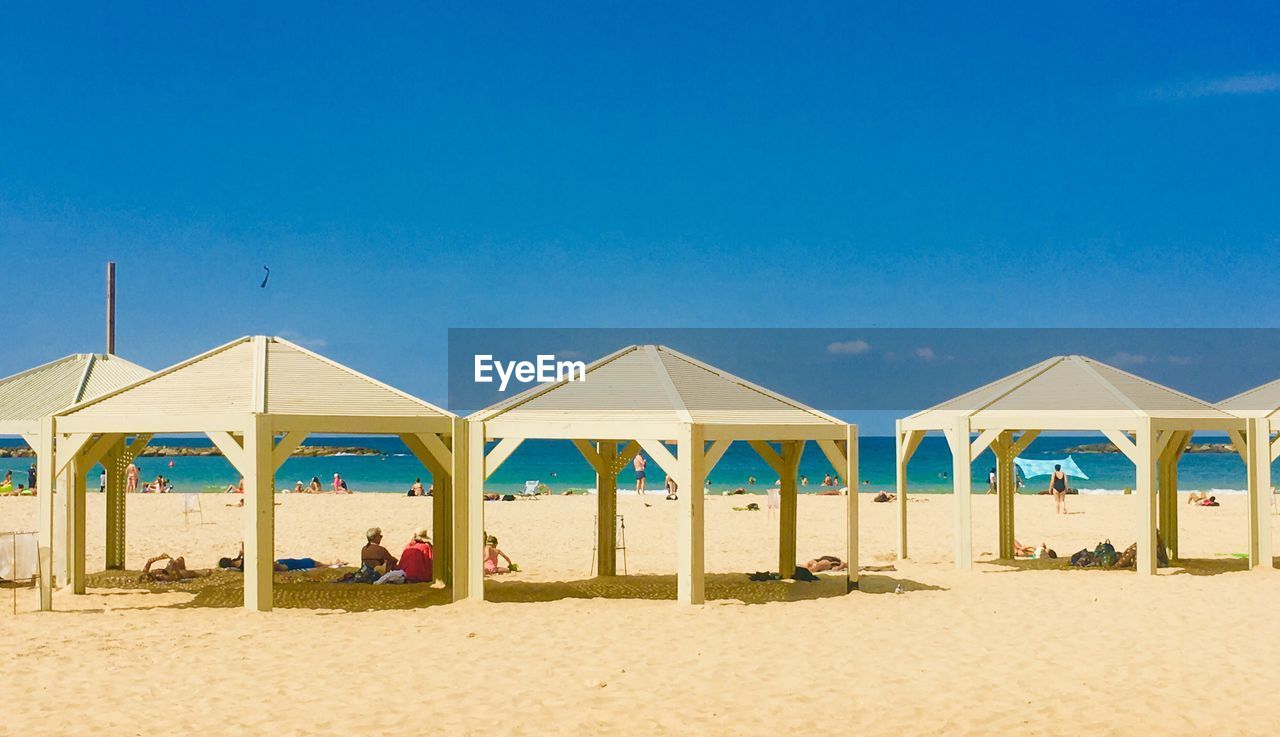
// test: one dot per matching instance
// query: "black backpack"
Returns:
(1082, 558)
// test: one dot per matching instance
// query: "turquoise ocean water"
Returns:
(558, 464)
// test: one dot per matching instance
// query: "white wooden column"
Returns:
(961, 475)
(1259, 497)
(468, 528)
(259, 514)
(1146, 462)
(902, 459)
(115, 506)
(607, 508)
(851, 511)
(691, 567)
(44, 488)
(63, 524)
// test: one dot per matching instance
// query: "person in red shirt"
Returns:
(416, 562)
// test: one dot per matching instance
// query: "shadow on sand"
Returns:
(1183, 566)
(319, 590)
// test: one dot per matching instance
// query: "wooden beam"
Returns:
(500, 453)
(92, 452)
(911, 443)
(1124, 444)
(714, 453)
(435, 445)
(851, 506)
(691, 565)
(1146, 459)
(259, 513)
(231, 449)
(67, 447)
(962, 484)
(661, 456)
(835, 455)
(285, 447)
(766, 452)
(983, 441)
(1023, 441)
(1240, 443)
(592, 457)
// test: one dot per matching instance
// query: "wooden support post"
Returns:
(75, 526)
(1259, 496)
(788, 501)
(902, 460)
(961, 474)
(607, 508)
(64, 524)
(44, 487)
(851, 511)
(1006, 491)
(259, 513)
(115, 503)
(691, 567)
(468, 514)
(1147, 459)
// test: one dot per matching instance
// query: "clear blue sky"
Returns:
(408, 168)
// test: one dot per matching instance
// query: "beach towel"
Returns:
(1031, 468)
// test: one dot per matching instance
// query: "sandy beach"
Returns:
(1002, 650)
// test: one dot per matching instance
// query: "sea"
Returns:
(559, 465)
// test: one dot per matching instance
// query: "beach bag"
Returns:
(1128, 559)
(1082, 558)
(366, 574)
(1105, 554)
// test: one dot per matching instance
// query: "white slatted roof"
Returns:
(1067, 392)
(253, 375)
(655, 386)
(41, 391)
(1261, 401)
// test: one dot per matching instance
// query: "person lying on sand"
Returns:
(1023, 551)
(826, 563)
(884, 497)
(1210, 502)
(281, 564)
(491, 554)
(175, 570)
(830, 492)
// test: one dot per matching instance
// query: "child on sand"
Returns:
(491, 554)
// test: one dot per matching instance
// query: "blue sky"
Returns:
(409, 169)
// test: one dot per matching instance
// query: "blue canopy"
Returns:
(1031, 468)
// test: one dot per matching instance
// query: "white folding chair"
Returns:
(191, 505)
(530, 488)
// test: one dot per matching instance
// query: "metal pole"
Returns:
(111, 308)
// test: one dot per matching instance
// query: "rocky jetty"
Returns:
(1109, 448)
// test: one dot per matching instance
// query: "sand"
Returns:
(1001, 650)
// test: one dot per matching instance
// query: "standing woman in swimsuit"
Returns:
(1058, 487)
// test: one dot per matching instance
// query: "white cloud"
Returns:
(1182, 360)
(1252, 83)
(294, 336)
(1128, 359)
(925, 353)
(849, 348)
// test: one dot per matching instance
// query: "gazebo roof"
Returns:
(253, 375)
(54, 386)
(646, 390)
(1068, 392)
(1260, 401)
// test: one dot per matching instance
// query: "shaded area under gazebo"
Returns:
(256, 398)
(27, 398)
(1151, 424)
(645, 398)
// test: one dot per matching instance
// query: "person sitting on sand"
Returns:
(340, 485)
(416, 489)
(884, 497)
(314, 487)
(671, 488)
(237, 488)
(374, 555)
(491, 554)
(298, 488)
(416, 561)
(175, 570)
(826, 563)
